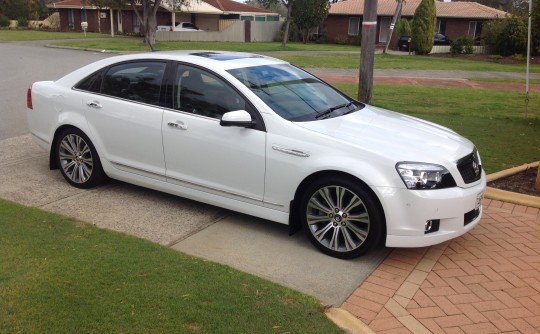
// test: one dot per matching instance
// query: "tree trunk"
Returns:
(151, 28)
(367, 55)
(397, 14)
(287, 24)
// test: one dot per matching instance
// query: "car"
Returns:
(438, 39)
(182, 26)
(260, 136)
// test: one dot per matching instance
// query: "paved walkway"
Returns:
(487, 281)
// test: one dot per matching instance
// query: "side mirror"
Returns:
(239, 118)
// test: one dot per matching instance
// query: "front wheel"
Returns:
(340, 217)
(78, 159)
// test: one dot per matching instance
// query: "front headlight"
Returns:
(419, 176)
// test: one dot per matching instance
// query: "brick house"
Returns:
(454, 19)
(205, 14)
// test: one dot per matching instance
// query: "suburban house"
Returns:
(454, 19)
(208, 15)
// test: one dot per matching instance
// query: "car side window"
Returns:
(202, 93)
(91, 83)
(137, 81)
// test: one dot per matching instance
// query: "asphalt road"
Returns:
(24, 63)
(252, 245)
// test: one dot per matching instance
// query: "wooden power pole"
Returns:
(367, 54)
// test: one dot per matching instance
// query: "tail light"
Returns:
(29, 98)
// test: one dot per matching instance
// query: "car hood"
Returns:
(395, 136)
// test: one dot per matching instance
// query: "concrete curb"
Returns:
(347, 322)
(508, 196)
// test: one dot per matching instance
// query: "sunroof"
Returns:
(225, 56)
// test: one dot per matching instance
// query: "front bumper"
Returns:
(457, 210)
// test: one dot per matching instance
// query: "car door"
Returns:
(125, 118)
(202, 154)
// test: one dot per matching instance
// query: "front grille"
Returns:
(469, 167)
(470, 216)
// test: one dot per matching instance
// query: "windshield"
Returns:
(294, 94)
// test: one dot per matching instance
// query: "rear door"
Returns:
(126, 117)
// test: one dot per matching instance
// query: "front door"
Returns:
(199, 152)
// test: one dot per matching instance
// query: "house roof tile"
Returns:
(229, 6)
(226, 6)
(457, 9)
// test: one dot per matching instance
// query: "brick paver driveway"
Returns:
(487, 281)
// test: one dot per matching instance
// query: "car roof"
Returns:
(213, 60)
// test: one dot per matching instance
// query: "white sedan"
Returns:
(257, 135)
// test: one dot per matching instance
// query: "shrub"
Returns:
(22, 22)
(506, 36)
(519, 57)
(462, 45)
(403, 28)
(423, 27)
(340, 39)
(356, 40)
(4, 21)
(456, 47)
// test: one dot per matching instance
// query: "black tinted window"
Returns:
(202, 93)
(91, 83)
(140, 81)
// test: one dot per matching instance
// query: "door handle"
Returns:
(178, 125)
(94, 104)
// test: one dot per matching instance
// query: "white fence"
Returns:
(446, 49)
(260, 32)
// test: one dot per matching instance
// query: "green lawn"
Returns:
(405, 62)
(521, 81)
(34, 35)
(336, 60)
(58, 275)
(493, 119)
(135, 44)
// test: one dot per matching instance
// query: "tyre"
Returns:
(78, 159)
(340, 217)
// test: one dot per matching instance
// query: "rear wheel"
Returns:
(341, 218)
(78, 159)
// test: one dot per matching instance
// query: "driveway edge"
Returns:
(508, 196)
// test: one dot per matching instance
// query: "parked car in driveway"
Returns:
(257, 135)
(438, 39)
(182, 26)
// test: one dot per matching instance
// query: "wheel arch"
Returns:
(294, 221)
(52, 155)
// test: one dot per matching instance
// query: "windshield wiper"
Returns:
(330, 110)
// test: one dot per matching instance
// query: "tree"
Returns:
(288, 4)
(507, 36)
(397, 15)
(423, 27)
(309, 14)
(146, 14)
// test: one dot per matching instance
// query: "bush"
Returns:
(423, 27)
(340, 39)
(4, 21)
(22, 22)
(462, 45)
(356, 40)
(456, 47)
(403, 28)
(506, 36)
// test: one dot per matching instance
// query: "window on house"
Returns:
(71, 20)
(246, 18)
(354, 26)
(260, 18)
(441, 27)
(475, 29)
(272, 18)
